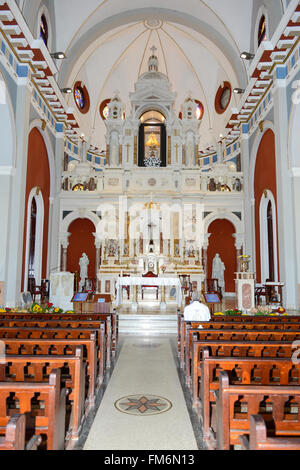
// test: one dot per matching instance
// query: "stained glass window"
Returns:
(262, 30)
(106, 112)
(79, 97)
(44, 29)
(199, 110)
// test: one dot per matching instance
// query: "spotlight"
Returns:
(247, 55)
(58, 55)
(238, 91)
(66, 90)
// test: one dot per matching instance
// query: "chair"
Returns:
(212, 286)
(185, 280)
(90, 285)
(127, 288)
(260, 291)
(37, 290)
(149, 274)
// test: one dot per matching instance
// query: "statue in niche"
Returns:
(218, 268)
(83, 263)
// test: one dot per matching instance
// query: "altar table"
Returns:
(148, 281)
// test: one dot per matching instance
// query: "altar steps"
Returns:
(147, 324)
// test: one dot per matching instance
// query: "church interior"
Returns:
(149, 168)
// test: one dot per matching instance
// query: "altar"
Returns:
(161, 282)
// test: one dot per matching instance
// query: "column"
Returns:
(285, 199)
(14, 259)
(249, 202)
(64, 243)
(55, 215)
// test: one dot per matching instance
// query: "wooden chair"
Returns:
(37, 290)
(260, 291)
(212, 286)
(149, 274)
(185, 280)
(126, 288)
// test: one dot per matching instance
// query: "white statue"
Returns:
(218, 268)
(83, 263)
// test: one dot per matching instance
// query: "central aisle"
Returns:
(145, 379)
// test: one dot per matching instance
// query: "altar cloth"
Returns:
(148, 281)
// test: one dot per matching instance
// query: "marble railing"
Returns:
(162, 180)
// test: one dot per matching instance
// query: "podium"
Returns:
(87, 302)
(245, 289)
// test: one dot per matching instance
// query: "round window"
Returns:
(104, 109)
(81, 98)
(223, 98)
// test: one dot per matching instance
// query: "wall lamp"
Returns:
(238, 91)
(66, 90)
(58, 55)
(247, 55)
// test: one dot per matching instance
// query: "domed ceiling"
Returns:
(108, 44)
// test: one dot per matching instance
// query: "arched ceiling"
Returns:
(198, 44)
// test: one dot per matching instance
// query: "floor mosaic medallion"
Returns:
(143, 405)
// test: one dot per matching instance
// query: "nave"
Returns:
(146, 366)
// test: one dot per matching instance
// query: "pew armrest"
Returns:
(34, 443)
(244, 441)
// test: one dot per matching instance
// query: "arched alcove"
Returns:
(222, 241)
(81, 240)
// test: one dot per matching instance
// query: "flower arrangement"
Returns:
(234, 311)
(36, 308)
(262, 310)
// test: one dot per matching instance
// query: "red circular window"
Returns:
(104, 109)
(81, 97)
(199, 111)
(223, 98)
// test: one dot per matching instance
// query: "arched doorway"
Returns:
(265, 194)
(38, 190)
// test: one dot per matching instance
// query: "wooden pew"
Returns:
(259, 440)
(44, 405)
(63, 333)
(61, 347)
(14, 438)
(235, 349)
(279, 406)
(186, 333)
(99, 326)
(110, 319)
(38, 368)
(242, 370)
(235, 335)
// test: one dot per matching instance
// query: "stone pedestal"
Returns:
(62, 290)
(245, 290)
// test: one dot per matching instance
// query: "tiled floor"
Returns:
(146, 366)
